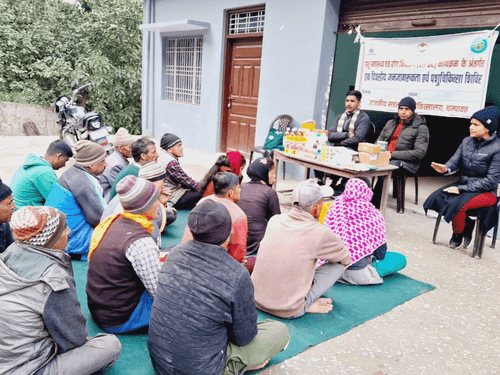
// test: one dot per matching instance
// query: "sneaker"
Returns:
(469, 228)
(456, 240)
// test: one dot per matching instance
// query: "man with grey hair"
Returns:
(117, 160)
(286, 281)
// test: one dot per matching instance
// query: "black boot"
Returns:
(469, 228)
(456, 240)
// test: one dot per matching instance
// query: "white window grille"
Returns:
(183, 70)
(247, 22)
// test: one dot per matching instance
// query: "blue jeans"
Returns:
(138, 319)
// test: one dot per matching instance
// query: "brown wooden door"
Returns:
(241, 94)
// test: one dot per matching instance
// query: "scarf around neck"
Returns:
(352, 122)
(101, 230)
(358, 223)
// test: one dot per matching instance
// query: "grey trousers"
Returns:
(98, 354)
(324, 278)
(272, 337)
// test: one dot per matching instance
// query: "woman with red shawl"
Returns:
(233, 162)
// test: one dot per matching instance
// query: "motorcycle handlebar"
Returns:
(76, 91)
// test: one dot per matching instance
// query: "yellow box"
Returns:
(308, 125)
(369, 148)
(379, 160)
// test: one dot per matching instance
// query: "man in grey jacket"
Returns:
(43, 330)
(117, 160)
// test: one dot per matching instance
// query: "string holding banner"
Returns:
(359, 38)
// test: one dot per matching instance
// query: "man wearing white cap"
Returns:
(117, 160)
(286, 280)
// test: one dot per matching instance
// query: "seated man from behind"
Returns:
(143, 152)
(117, 160)
(286, 280)
(43, 327)
(124, 260)
(227, 192)
(204, 320)
(7, 207)
(33, 181)
(79, 195)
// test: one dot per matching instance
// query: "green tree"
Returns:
(50, 47)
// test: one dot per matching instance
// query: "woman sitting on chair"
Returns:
(478, 156)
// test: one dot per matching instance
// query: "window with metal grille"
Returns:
(183, 70)
(247, 22)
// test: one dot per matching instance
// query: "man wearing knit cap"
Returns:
(7, 207)
(124, 260)
(478, 160)
(43, 327)
(185, 190)
(117, 160)
(286, 281)
(80, 196)
(204, 320)
(33, 181)
(143, 151)
(407, 138)
(155, 173)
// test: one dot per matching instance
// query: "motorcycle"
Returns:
(78, 124)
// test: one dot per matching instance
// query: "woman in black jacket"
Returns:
(478, 156)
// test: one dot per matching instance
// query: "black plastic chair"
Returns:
(399, 188)
(480, 236)
(283, 122)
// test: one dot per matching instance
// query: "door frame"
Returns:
(226, 70)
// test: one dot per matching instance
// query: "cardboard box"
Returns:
(369, 148)
(379, 160)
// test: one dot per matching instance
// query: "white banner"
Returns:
(447, 75)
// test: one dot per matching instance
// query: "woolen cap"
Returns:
(123, 138)
(309, 193)
(88, 153)
(488, 117)
(169, 140)
(137, 195)
(210, 223)
(4, 191)
(153, 171)
(408, 102)
(39, 226)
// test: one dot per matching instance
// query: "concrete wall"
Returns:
(297, 55)
(13, 116)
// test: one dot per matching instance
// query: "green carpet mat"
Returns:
(352, 306)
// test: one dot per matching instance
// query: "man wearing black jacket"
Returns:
(349, 129)
(204, 319)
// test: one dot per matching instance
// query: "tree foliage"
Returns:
(50, 47)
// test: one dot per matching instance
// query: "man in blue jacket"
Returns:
(204, 319)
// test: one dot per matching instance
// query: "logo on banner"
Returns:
(479, 45)
(422, 47)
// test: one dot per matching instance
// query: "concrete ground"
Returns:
(453, 329)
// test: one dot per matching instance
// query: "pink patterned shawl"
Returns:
(358, 223)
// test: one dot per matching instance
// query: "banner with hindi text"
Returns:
(447, 75)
